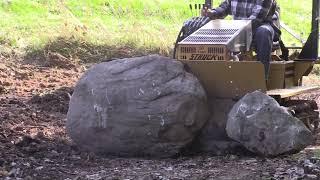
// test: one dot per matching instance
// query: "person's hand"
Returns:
(211, 13)
(204, 11)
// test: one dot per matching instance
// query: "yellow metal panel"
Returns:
(229, 79)
(289, 82)
(289, 74)
(282, 75)
(202, 52)
(276, 75)
(302, 68)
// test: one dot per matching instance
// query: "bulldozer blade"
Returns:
(229, 79)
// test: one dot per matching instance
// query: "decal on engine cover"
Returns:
(203, 57)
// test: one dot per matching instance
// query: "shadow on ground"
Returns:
(54, 101)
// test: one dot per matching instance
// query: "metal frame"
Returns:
(210, 61)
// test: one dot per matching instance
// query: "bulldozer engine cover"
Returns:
(216, 40)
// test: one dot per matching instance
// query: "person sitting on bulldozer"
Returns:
(261, 13)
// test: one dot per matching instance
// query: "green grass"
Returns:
(298, 16)
(105, 28)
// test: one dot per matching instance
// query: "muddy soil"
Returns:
(34, 145)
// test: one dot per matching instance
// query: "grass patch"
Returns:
(67, 52)
(102, 29)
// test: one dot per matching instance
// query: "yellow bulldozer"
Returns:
(219, 52)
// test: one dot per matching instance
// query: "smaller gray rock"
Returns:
(264, 127)
(311, 176)
(294, 173)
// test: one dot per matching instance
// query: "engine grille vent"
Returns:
(188, 49)
(217, 39)
(217, 32)
(202, 52)
(216, 50)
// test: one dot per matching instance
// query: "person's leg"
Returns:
(263, 39)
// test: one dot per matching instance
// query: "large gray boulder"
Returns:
(144, 106)
(260, 124)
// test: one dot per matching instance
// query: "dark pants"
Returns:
(263, 40)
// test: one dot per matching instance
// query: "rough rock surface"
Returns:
(260, 124)
(213, 138)
(145, 106)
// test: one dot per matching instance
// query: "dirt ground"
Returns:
(34, 144)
